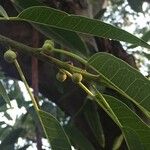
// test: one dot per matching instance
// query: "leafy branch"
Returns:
(107, 69)
(37, 52)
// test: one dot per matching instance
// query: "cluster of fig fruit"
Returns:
(62, 76)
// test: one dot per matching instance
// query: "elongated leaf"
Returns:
(146, 55)
(118, 142)
(123, 78)
(55, 18)
(11, 138)
(64, 37)
(146, 36)
(2, 101)
(3, 108)
(136, 5)
(3, 12)
(135, 131)
(93, 119)
(4, 132)
(61, 36)
(7, 116)
(4, 94)
(78, 139)
(55, 133)
(24, 147)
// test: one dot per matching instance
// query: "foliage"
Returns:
(102, 71)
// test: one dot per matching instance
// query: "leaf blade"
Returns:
(131, 122)
(4, 94)
(146, 36)
(93, 119)
(78, 139)
(59, 19)
(61, 36)
(136, 5)
(123, 78)
(3, 13)
(55, 133)
(135, 131)
(64, 37)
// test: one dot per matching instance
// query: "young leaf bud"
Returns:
(76, 77)
(10, 56)
(61, 76)
(48, 46)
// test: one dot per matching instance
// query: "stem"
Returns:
(80, 59)
(37, 52)
(14, 44)
(86, 89)
(70, 68)
(108, 112)
(105, 105)
(107, 108)
(31, 95)
(27, 50)
(26, 85)
(10, 19)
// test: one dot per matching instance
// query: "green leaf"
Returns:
(48, 107)
(136, 5)
(135, 131)
(64, 37)
(3, 12)
(146, 36)
(55, 18)
(120, 76)
(146, 55)
(118, 142)
(4, 132)
(4, 94)
(78, 140)
(2, 101)
(34, 115)
(93, 119)
(54, 132)
(11, 138)
(7, 116)
(61, 36)
(24, 147)
(3, 108)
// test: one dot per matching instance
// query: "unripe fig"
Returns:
(48, 46)
(61, 76)
(10, 56)
(76, 77)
